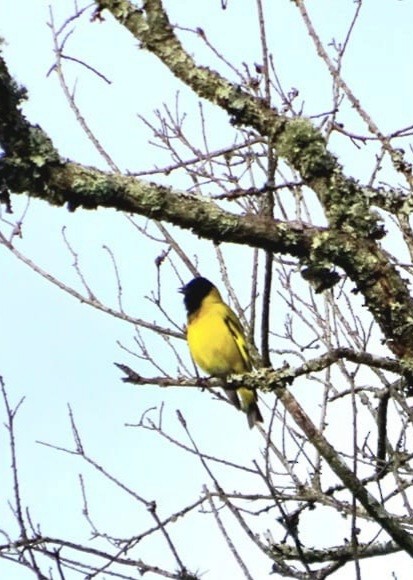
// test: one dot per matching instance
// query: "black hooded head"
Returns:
(194, 292)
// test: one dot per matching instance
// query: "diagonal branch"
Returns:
(295, 139)
(303, 146)
(31, 165)
(373, 507)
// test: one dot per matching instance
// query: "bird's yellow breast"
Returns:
(216, 346)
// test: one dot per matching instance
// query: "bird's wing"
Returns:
(235, 328)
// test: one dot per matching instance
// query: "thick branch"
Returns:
(25, 146)
(302, 145)
(32, 165)
(295, 139)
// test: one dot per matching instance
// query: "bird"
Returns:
(217, 343)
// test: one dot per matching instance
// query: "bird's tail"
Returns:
(246, 400)
(253, 415)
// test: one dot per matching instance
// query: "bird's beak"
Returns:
(181, 290)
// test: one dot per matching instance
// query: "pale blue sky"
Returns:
(55, 351)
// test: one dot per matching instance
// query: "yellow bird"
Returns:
(217, 343)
